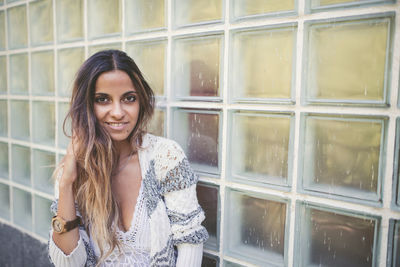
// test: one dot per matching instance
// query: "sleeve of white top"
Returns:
(76, 258)
(189, 255)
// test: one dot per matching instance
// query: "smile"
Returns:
(116, 124)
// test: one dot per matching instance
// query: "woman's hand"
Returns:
(70, 170)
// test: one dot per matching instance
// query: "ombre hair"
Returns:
(96, 157)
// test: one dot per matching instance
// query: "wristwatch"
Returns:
(61, 226)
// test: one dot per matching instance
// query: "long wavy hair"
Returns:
(97, 160)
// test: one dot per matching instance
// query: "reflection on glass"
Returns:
(3, 118)
(156, 125)
(43, 167)
(63, 140)
(188, 12)
(17, 27)
(150, 58)
(21, 164)
(197, 66)
(142, 15)
(3, 75)
(96, 48)
(69, 20)
(263, 63)
(19, 119)
(347, 60)
(2, 31)
(208, 200)
(256, 228)
(41, 22)
(19, 74)
(332, 239)
(43, 122)
(22, 208)
(104, 18)
(4, 201)
(69, 61)
(209, 261)
(257, 7)
(42, 73)
(342, 155)
(42, 216)
(3, 160)
(198, 134)
(260, 147)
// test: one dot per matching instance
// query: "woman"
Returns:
(123, 197)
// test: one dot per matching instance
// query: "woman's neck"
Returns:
(123, 148)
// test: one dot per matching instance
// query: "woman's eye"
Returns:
(130, 98)
(101, 99)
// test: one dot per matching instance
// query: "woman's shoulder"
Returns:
(161, 145)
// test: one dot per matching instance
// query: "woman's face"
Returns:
(116, 104)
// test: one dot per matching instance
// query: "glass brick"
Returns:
(3, 118)
(4, 201)
(231, 264)
(19, 119)
(263, 64)
(208, 198)
(198, 134)
(144, 15)
(396, 245)
(187, 12)
(323, 4)
(256, 227)
(3, 75)
(151, 60)
(43, 167)
(69, 61)
(42, 71)
(3, 160)
(96, 48)
(104, 18)
(19, 74)
(257, 138)
(156, 125)
(2, 31)
(17, 27)
(22, 208)
(242, 8)
(42, 216)
(340, 65)
(43, 123)
(69, 20)
(21, 164)
(209, 260)
(41, 22)
(342, 156)
(63, 140)
(197, 66)
(329, 238)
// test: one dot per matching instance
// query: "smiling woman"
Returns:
(132, 194)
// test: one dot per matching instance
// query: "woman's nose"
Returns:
(117, 111)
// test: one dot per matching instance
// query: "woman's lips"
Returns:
(116, 125)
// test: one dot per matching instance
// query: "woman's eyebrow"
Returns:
(129, 92)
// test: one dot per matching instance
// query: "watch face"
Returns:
(57, 225)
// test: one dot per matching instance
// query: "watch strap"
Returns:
(72, 224)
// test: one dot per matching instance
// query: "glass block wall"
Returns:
(287, 109)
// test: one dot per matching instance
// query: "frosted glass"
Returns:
(63, 141)
(198, 134)
(4, 201)
(347, 61)
(342, 156)
(196, 70)
(43, 122)
(22, 208)
(42, 71)
(263, 64)
(3, 118)
(19, 119)
(156, 125)
(17, 27)
(207, 196)
(396, 245)
(142, 15)
(209, 261)
(69, 61)
(151, 59)
(231, 264)
(104, 18)
(2, 31)
(69, 20)
(188, 12)
(257, 139)
(3, 75)
(257, 7)
(256, 228)
(21, 164)
(327, 3)
(96, 48)
(41, 22)
(4, 160)
(43, 167)
(332, 239)
(42, 216)
(19, 74)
